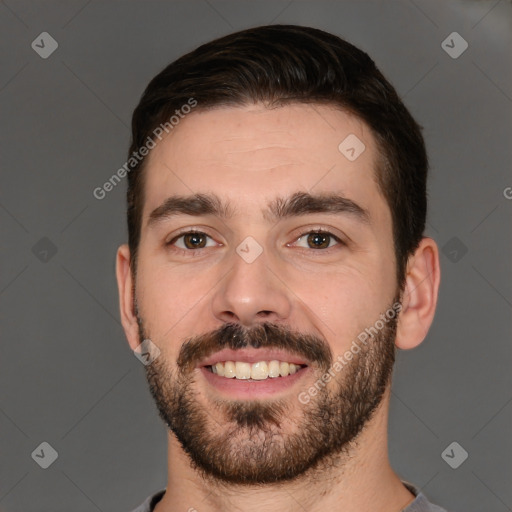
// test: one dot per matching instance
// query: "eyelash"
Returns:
(197, 232)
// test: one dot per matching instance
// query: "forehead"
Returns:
(252, 154)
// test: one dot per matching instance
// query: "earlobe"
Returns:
(125, 288)
(419, 295)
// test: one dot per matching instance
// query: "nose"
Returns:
(252, 293)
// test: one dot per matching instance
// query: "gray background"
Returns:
(67, 375)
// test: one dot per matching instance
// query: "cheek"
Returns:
(342, 305)
(171, 301)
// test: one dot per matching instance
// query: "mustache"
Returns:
(265, 335)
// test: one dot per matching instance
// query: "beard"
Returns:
(254, 442)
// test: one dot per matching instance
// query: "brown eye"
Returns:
(191, 240)
(194, 240)
(319, 240)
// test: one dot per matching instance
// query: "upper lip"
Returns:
(252, 355)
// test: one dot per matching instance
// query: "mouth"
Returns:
(261, 370)
(253, 372)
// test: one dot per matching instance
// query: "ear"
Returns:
(126, 302)
(419, 298)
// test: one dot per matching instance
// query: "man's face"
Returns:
(280, 277)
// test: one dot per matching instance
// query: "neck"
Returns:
(359, 480)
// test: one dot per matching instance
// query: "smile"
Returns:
(260, 370)
(253, 373)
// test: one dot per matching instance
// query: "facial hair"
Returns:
(251, 442)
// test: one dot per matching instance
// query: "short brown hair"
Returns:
(282, 64)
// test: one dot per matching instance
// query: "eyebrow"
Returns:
(299, 203)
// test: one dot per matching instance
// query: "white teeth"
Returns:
(273, 369)
(256, 371)
(220, 369)
(229, 369)
(259, 371)
(243, 370)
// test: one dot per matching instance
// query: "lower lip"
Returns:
(253, 388)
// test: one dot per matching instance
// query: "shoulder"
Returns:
(421, 503)
(150, 502)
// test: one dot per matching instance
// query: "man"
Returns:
(276, 261)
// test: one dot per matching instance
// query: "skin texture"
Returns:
(249, 156)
